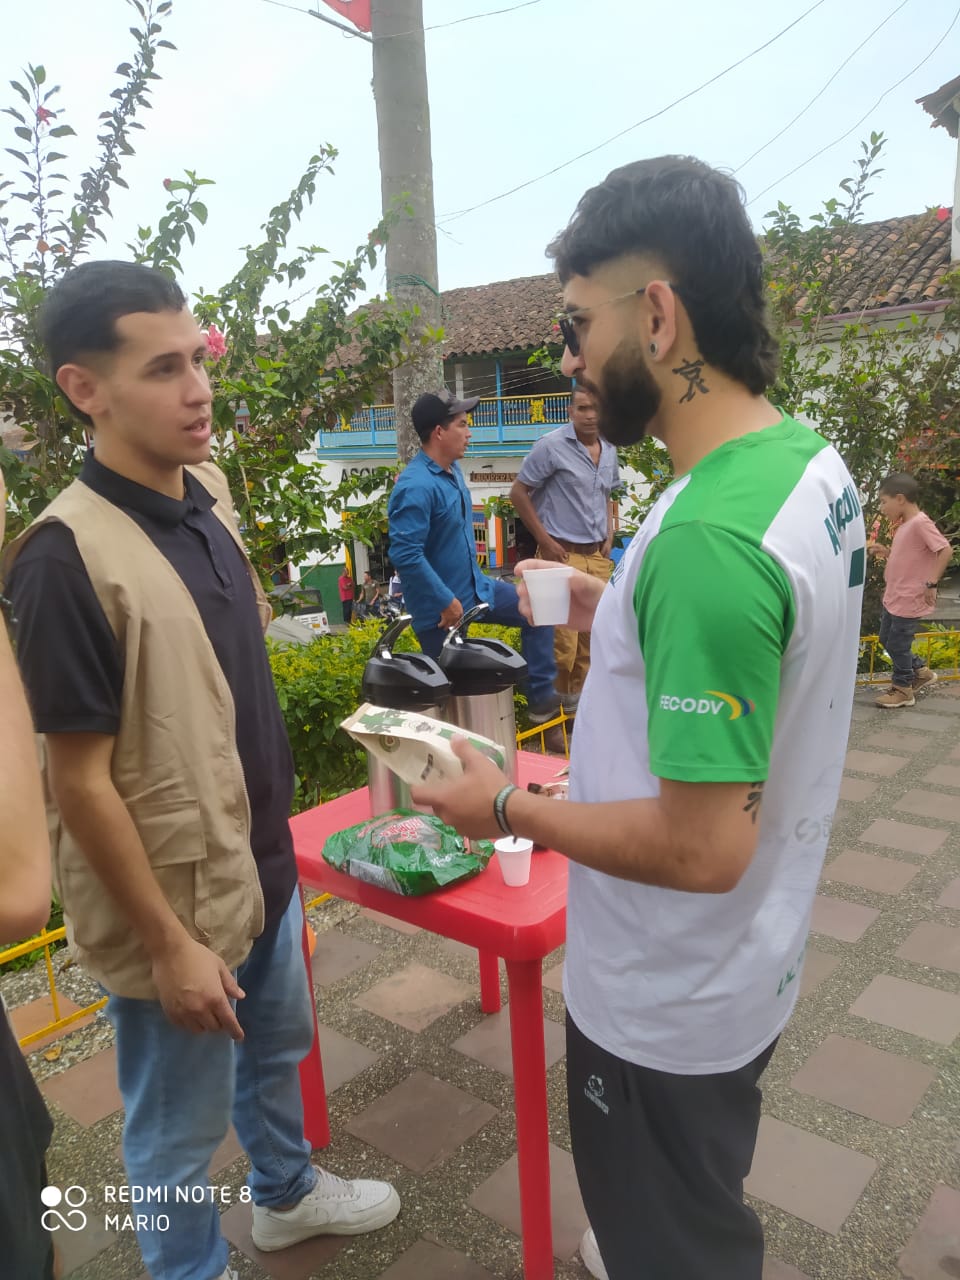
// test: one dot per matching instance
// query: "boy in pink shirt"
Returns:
(916, 561)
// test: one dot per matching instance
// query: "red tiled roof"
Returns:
(507, 315)
(892, 263)
(939, 104)
(897, 262)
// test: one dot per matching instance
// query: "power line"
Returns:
(886, 92)
(438, 26)
(816, 96)
(395, 35)
(460, 213)
(341, 26)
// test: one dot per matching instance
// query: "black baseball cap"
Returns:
(431, 410)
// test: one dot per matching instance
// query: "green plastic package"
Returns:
(409, 853)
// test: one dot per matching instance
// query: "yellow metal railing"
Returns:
(45, 940)
(925, 644)
(540, 731)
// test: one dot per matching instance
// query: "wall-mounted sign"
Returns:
(492, 477)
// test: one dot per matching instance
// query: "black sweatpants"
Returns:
(661, 1161)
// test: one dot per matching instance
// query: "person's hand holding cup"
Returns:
(571, 599)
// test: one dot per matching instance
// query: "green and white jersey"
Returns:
(723, 650)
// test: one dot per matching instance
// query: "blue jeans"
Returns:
(536, 642)
(896, 636)
(180, 1091)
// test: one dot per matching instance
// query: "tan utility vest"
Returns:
(175, 761)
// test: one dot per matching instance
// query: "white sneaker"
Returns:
(229, 1274)
(335, 1207)
(591, 1255)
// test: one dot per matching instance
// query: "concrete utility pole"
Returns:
(406, 167)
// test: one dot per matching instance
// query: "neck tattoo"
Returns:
(692, 371)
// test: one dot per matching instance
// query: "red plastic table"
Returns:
(521, 925)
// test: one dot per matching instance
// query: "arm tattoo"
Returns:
(754, 798)
(692, 370)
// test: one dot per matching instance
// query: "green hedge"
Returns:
(319, 685)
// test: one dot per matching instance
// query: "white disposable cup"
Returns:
(549, 591)
(513, 854)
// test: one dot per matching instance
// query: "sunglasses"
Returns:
(571, 339)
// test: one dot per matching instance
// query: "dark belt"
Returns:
(581, 548)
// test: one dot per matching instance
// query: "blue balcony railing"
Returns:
(513, 422)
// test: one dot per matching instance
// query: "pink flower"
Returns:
(942, 214)
(167, 182)
(216, 343)
(43, 115)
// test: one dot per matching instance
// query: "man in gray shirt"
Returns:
(562, 494)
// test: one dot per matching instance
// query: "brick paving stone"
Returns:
(817, 966)
(875, 762)
(87, 1092)
(925, 720)
(856, 789)
(810, 1177)
(299, 1262)
(951, 895)
(33, 1015)
(489, 1042)
(930, 804)
(421, 1122)
(905, 741)
(429, 1261)
(912, 1007)
(944, 775)
(933, 1251)
(379, 917)
(936, 945)
(77, 1248)
(460, 949)
(838, 918)
(871, 1082)
(499, 1198)
(553, 978)
(906, 837)
(342, 1058)
(868, 871)
(414, 996)
(337, 955)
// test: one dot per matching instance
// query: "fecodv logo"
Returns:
(73, 1218)
(710, 703)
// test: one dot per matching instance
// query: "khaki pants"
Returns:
(572, 648)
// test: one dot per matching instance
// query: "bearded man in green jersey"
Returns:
(712, 727)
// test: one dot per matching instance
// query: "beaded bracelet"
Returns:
(6, 611)
(500, 808)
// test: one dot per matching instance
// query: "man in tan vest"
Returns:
(141, 644)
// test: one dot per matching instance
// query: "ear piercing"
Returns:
(653, 348)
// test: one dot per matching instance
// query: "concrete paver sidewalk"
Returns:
(857, 1172)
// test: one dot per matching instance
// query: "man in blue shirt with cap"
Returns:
(433, 548)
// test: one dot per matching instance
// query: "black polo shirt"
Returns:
(72, 665)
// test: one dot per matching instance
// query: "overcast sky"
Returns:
(254, 88)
